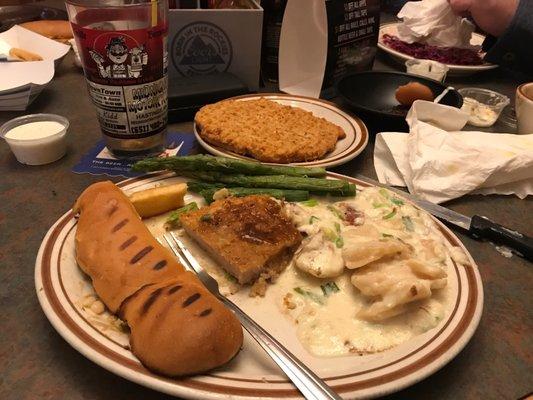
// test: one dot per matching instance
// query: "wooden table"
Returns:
(38, 364)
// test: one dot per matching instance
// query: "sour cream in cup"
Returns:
(428, 68)
(36, 139)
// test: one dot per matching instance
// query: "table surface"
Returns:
(38, 364)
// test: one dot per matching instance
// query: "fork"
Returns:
(308, 383)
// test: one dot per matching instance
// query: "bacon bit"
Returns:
(288, 303)
(352, 216)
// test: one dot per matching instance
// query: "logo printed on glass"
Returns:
(122, 62)
(201, 48)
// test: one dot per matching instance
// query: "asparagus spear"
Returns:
(313, 185)
(173, 220)
(289, 195)
(197, 187)
(202, 162)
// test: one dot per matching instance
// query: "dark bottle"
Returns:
(272, 18)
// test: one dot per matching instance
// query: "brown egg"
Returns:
(407, 94)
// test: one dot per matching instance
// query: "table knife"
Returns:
(476, 225)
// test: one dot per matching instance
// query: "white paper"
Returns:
(303, 48)
(439, 163)
(25, 39)
(15, 74)
(21, 82)
(433, 22)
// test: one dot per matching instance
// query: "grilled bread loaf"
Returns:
(115, 248)
(177, 326)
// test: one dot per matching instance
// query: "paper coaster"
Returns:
(99, 161)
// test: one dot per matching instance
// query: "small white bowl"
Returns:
(41, 150)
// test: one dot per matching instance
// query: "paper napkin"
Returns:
(433, 22)
(438, 162)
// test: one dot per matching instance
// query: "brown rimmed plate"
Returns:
(345, 150)
(61, 286)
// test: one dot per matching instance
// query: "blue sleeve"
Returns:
(514, 48)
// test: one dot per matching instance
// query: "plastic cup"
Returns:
(427, 68)
(37, 151)
(487, 105)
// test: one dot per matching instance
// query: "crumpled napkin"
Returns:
(437, 162)
(433, 22)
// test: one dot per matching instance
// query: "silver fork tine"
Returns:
(175, 250)
(187, 254)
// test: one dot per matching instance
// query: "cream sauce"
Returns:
(35, 130)
(333, 329)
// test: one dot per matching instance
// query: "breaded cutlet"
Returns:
(248, 236)
(267, 131)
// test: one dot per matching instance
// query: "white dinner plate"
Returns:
(454, 70)
(60, 285)
(345, 150)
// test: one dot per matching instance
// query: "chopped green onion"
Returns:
(338, 227)
(397, 201)
(335, 211)
(386, 235)
(330, 234)
(206, 218)
(339, 242)
(391, 214)
(313, 218)
(173, 220)
(329, 288)
(309, 203)
(379, 205)
(384, 192)
(408, 223)
(230, 277)
(312, 296)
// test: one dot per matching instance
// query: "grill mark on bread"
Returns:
(191, 299)
(124, 245)
(174, 289)
(112, 210)
(151, 300)
(206, 312)
(137, 257)
(160, 265)
(120, 225)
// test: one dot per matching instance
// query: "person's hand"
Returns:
(493, 16)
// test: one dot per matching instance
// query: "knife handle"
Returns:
(485, 228)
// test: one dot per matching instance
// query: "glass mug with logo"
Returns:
(123, 50)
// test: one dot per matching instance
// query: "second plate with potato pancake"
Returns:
(346, 148)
